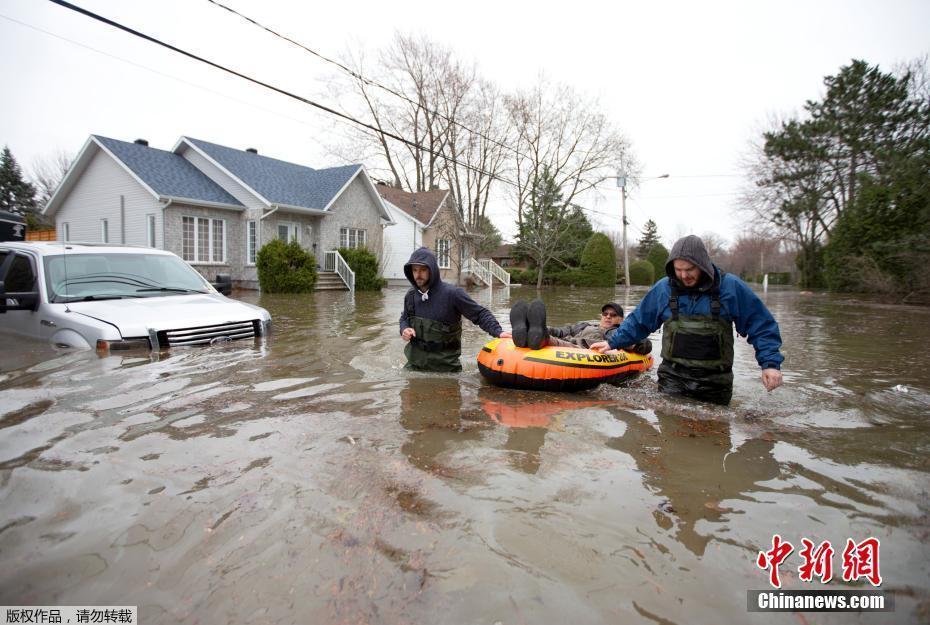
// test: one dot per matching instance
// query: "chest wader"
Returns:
(437, 345)
(697, 353)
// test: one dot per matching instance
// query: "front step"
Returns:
(330, 281)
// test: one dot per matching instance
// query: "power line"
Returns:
(152, 70)
(284, 92)
(365, 79)
(707, 176)
(675, 197)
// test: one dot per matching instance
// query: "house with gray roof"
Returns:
(214, 206)
(430, 219)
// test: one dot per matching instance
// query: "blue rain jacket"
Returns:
(738, 304)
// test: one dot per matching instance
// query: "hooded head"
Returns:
(425, 257)
(691, 249)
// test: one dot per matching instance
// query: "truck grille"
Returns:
(204, 335)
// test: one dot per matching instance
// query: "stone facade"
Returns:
(234, 263)
(356, 207)
(447, 225)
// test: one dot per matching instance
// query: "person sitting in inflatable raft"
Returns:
(541, 359)
(528, 322)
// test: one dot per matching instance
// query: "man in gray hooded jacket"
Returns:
(431, 321)
(698, 305)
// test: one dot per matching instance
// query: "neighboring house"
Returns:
(427, 218)
(503, 256)
(212, 205)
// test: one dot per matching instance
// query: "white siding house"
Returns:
(108, 193)
(400, 241)
(212, 205)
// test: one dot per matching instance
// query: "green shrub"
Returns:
(657, 257)
(573, 276)
(598, 262)
(285, 268)
(365, 265)
(522, 276)
(642, 273)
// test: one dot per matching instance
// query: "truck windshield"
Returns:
(77, 277)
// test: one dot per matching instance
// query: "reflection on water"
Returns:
(309, 478)
(692, 466)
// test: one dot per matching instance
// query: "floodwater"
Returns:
(309, 478)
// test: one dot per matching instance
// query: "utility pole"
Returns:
(621, 182)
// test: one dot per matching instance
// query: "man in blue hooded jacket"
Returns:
(697, 306)
(431, 321)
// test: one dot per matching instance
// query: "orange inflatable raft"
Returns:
(556, 368)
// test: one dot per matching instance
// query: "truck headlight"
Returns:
(105, 347)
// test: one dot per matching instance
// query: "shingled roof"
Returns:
(421, 205)
(166, 173)
(277, 181)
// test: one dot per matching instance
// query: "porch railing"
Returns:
(478, 270)
(333, 261)
(496, 270)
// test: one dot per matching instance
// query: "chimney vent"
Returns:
(251, 150)
(144, 142)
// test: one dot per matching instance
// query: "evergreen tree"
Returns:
(649, 239)
(578, 233)
(547, 224)
(16, 194)
(490, 236)
(853, 158)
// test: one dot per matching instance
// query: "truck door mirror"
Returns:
(18, 288)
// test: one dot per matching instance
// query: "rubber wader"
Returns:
(697, 353)
(437, 346)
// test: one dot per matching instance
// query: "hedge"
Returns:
(657, 257)
(285, 268)
(598, 262)
(642, 273)
(522, 276)
(365, 265)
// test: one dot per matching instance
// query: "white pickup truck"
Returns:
(116, 298)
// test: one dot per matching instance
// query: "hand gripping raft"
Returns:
(556, 368)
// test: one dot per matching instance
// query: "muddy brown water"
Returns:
(310, 479)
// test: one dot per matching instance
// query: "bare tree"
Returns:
(715, 244)
(558, 130)
(477, 151)
(454, 123)
(48, 172)
(758, 252)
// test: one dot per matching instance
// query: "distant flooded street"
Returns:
(310, 479)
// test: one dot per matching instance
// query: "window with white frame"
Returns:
(251, 241)
(443, 255)
(104, 231)
(352, 238)
(203, 240)
(150, 229)
(218, 240)
(288, 231)
(66, 231)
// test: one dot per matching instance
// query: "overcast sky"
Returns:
(689, 83)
